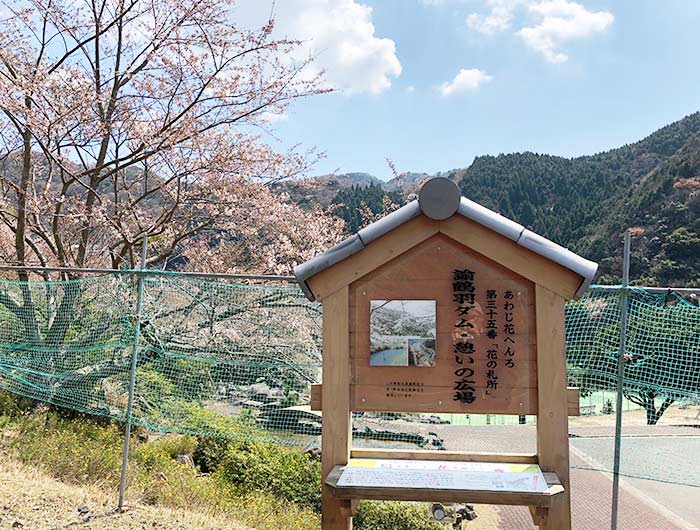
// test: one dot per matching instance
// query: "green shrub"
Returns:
(209, 453)
(608, 407)
(281, 471)
(191, 417)
(391, 515)
(74, 450)
(13, 406)
(174, 444)
(192, 380)
(85, 452)
(152, 386)
(159, 455)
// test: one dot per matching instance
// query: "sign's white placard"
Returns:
(482, 476)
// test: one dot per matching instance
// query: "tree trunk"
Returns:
(652, 417)
(20, 233)
(657, 414)
(27, 314)
(647, 400)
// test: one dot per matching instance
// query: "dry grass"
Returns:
(36, 501)
(32, 500)
(64, 477)
(46, 476)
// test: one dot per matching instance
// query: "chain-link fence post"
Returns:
(624, 300)
(132, 373)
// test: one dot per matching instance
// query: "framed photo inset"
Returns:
(402, 333)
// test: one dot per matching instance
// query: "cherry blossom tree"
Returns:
(125, 119)
(130, 119)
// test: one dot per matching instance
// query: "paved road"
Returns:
(590, 508)
(662, 470)
(665, 457)
(666, 498)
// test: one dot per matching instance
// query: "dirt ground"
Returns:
(31, 500)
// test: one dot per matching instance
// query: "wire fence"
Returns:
(215, 358)
(233, 357)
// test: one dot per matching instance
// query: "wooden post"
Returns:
(552, 420)
(337, 428)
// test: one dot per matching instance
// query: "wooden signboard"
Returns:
(482, 333)
(445, 307)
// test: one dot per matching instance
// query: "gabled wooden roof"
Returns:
(442, 209)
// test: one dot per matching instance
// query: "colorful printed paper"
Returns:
(483, 476)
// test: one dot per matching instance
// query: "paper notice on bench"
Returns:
(482, 476)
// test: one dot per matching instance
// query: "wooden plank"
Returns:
(373, 398)
(525, 348)
(571, 393)
(426, 272)
(539, 515)
(432, 288)
(426, 260)
(442, 374)
(552, 479)
(573, 400)
(452, 456)
(552, 420)
(336, 423)
(373, 256)
(316, 397)
(438, 495)
(524, 262)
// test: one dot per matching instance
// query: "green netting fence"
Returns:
(214, 358)
(662, 354)
(217, 358)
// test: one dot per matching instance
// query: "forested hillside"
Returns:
(358, 204)
(585, 203)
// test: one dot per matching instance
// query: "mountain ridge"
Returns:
(585, 203)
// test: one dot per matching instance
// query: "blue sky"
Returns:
(551, 76)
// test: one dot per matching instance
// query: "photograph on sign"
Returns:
(402, 333)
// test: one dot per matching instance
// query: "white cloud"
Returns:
(339, 34)
(273, 117)
(562, 21)
(559, 21)
(498, 19)
(432, 3)
(465, 80)
(410, 89)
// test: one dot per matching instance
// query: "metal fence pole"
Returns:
(624, 300)
(132, 375)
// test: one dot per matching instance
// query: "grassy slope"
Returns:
(79, 461)
(36, 501)
(51, 467)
